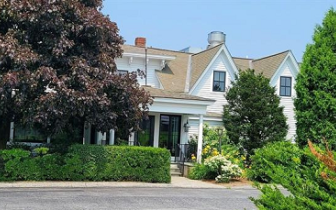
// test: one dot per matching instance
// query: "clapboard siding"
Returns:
(288, 102)
(193, 130)
(204, 87)
(139, 63)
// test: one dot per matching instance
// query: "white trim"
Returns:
(218, 119)
(229, 57)
(183, 101)
(278, 72)
(149, 56)
(200, 139)
(187, 84)
(225, 82)
(158, 79)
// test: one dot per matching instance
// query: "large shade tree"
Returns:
(253, 115)
(315, 103)
(57, 67)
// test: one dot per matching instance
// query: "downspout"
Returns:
(146, 65)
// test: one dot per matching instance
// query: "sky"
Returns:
(253, 28)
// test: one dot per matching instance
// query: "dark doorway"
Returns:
(170, 132)
(145, 137)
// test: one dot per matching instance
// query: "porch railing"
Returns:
(184, 153)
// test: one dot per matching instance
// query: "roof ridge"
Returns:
(234, 57)
(154, 48)
(208, 49)
(286, 51)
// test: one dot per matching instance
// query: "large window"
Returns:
(219, 81)
(145, 137)
(285, 86)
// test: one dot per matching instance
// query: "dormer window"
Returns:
(285, 86)
(218, 81)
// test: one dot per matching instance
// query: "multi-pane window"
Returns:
(219, 81)
(285, 86)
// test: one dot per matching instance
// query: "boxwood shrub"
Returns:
(90, 163)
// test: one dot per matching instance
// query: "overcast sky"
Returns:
(253, 28)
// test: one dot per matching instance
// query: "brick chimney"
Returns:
(140, 42)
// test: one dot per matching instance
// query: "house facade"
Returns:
(188, 87)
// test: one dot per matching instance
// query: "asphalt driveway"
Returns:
(108, 198)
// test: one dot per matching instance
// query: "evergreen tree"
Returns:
(316, 86)
(253, 116)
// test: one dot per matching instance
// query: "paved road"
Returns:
(125, 198)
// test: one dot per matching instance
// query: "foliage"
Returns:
(224, 168)
(308, 189)
(253, 116)
(89, 162)
(41, 150)
(232, 153)
(200, 171)
(210, 141)
(284, 154)
(315, 86)
(218, 168)
(58, 71)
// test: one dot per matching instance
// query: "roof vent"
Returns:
(215, 38)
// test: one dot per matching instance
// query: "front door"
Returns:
(170, 132)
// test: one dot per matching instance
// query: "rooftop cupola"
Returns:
(215, 38)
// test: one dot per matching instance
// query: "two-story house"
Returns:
(188, 87)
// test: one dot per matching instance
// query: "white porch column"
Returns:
(111, 140)
(103, 139)
(99, 138)
(156, 129)
(200, 139)
(131, 139)
(48, 140)
(11, 132)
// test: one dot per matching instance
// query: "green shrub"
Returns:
(308, 189)
(200, 171)
(88, 162)
(216, 167)
(117, 163)
(284, 153)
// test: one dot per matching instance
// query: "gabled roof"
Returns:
(200, 62)
(173, 76)
(266, 65)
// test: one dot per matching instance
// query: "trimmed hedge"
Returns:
(89, 162)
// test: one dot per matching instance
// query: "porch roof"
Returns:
(160, 93)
